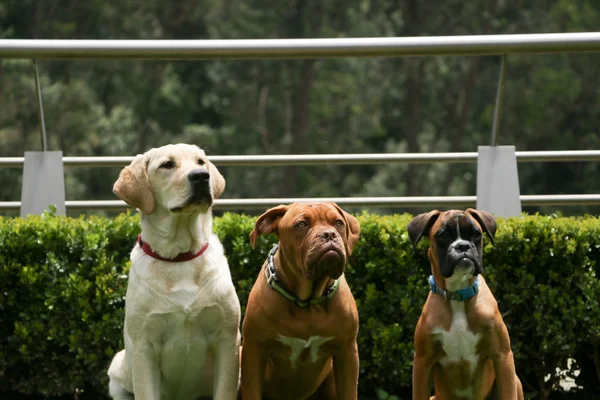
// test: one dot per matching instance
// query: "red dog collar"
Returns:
(187, 256)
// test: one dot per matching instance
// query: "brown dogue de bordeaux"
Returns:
(301, 323)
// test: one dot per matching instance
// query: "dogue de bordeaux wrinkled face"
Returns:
(316, 238)
(177, 177)
(455, 237)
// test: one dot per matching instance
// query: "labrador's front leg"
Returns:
(145, 372)
(227, 368)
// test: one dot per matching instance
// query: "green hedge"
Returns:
(63, 281)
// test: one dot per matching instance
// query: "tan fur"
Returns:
(463, 347)
(219, 181)
(293, 353)
(133, 186)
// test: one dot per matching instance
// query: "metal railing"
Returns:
(332, 159)
(391, 202)
(301, 48)
(319, 48)
(338, 159)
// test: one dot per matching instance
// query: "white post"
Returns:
(497, 174)
(43, 183)
(498, 181)
(43, 175)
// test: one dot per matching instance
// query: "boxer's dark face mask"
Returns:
(458, 246)
(455, 237)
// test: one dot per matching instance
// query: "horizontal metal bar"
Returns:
(300, 48)
(408, 202)
(558, 156)
(228, 204)
(12, 162)
(10, 205)
(561, 200)
(332, 159)
(275, 160)
(426, 201)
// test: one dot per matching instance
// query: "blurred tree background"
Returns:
(350, 105)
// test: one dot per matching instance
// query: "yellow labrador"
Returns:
(182, 313)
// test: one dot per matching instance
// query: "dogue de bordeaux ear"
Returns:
(486, 220)
(420, 225)
(352, 229)
(267, 223)
(133, 186)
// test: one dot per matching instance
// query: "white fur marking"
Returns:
(468, 392)
(298, 345)
(458, 238)
(459, 342)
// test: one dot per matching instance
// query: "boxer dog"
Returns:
(300, 328)
(182, 313)
(460, 339)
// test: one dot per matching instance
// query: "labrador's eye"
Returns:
(339, 222)
(201, 161)
(167, 165)
(301, 224)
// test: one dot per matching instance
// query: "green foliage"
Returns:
(345, 105)
(63, 283)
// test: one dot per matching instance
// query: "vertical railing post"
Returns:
(43, 172)
(497, 173)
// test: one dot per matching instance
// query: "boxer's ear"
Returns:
(267, 223)
(133, 185)
(486, 220)
(352, 229)
(420, 225)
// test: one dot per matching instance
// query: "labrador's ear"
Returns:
(133, 186)
(421, 225)
(217, 182)
(486, 220)
(267, 223)
(352, 229)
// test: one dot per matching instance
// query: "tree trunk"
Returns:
(463, 105)
(305, 21)
(413, 104)
(300, 119)
(596, 359)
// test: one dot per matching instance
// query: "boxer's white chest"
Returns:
(459, 343)
(298, 346)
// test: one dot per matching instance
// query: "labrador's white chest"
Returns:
(159, 288)
(179, 311)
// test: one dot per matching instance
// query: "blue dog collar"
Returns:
(460, 295)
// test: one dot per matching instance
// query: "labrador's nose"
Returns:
(199, 175)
